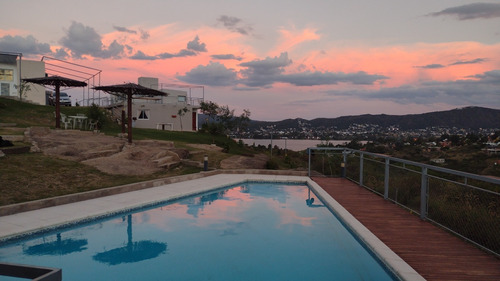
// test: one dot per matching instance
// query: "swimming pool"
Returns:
(252, 231)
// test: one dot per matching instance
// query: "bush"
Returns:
(95, 113)
(272, 164)
(5, 143)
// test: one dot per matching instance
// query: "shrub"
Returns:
(272, 164)
(95, 113)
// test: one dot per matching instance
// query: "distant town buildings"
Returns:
(357, 131)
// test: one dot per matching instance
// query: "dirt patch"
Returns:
(245, 162)
(113, 155)
(142, 157)
(207, 147)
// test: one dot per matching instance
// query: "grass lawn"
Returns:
(32, 176)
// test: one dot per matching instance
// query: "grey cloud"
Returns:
(431, 66)
(229, 22)
(264, 73)
(474, 61)
(180, 54)
(144, 34)
(165, 56)
(226, 57)
(193, 47)
(483, 90)
(25, 45)
(471, 11)
(196, 45)
(139, 55)
(437, 65)
(235, 25)
(124, 29)
(329, 78)
(213, 74)
(114, 50)
(489, 76)
(185, 53)
(269, 63)
(246, 88)
(84, 40)
(61, 54)
(261, 73)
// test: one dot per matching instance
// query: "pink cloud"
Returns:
(400, 63)
(291, 38)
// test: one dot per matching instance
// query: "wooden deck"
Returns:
(432, 252)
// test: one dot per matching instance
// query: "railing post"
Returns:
(423, 194)
(309, 164)
(361, 169)
(386, 179)
(343, 164)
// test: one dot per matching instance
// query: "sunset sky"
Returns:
(279, 59)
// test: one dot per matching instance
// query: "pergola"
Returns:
(130, 90)
(57, 82)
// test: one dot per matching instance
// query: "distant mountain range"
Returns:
(466, 118)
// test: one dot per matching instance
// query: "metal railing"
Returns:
(465, 204)
(35, 273)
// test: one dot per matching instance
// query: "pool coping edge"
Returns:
(395, 263)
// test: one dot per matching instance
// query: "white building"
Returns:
(12, 69)
(176, 111)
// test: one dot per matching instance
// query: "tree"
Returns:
(23, 89)
(223, 119)
(181, 113)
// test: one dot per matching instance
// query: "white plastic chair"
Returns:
(66, 121)
(92, 125)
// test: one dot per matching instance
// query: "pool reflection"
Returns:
(59, 247)
(133, 251)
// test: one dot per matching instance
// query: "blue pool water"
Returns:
(252, 231)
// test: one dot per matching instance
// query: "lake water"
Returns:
(291, 144)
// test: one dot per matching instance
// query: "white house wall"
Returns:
(34, 69)
(166, 113)
(28, 69)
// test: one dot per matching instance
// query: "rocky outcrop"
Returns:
(109, 154)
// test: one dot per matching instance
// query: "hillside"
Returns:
(467, 118)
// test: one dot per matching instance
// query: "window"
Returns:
(144, 115)
(6, 74)
(181, 99)
(4, 89)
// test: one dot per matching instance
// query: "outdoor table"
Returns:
(80, 119)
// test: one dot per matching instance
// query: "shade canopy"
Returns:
(57, 82)
(130, 90)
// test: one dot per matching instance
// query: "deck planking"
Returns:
(433, 252)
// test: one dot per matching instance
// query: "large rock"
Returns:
(111, 155)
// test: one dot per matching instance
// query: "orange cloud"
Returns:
(403, 63)
(170, 39)
(289, 39)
